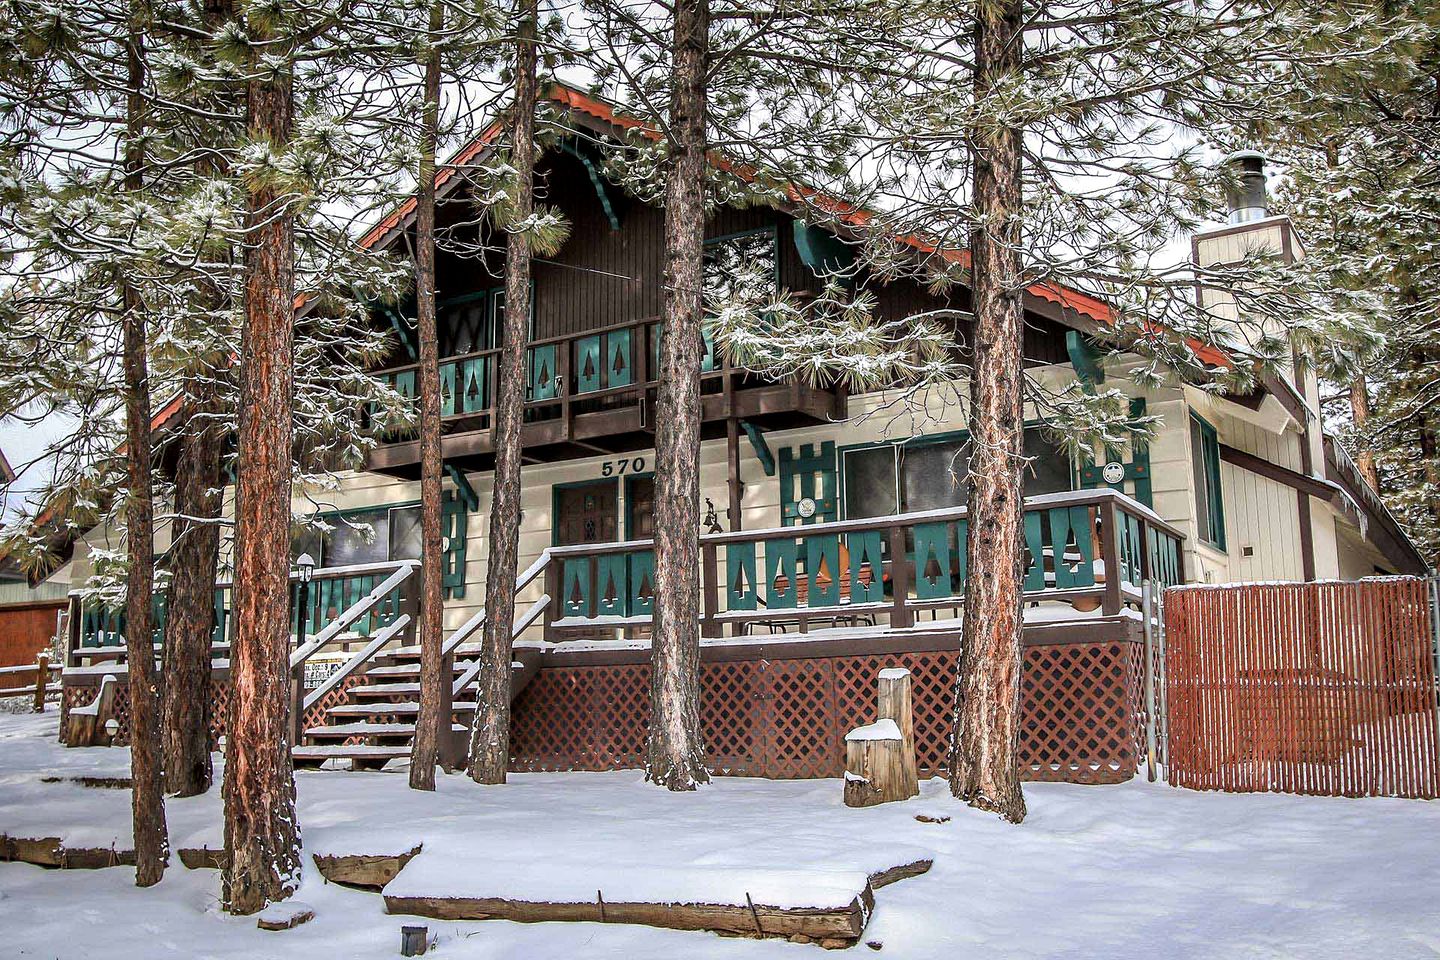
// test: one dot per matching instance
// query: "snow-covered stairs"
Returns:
(374, 720)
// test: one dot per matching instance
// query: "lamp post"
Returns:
(305, 565)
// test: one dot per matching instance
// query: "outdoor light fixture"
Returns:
(306, 565)
(112, 727)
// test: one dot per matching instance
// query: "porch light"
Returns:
(306, 565)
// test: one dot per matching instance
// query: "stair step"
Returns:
(410, 669)
(382, 709)
(383, 689)
(364, 729)
(362, 751)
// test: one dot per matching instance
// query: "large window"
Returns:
(364, 536)
(1209, 503)
(931, 475)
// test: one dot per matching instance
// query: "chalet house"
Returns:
(834, 540)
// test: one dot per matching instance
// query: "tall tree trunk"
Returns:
(262, 837)
(428, 722)
(490, 736)
(195, 547)
(1360, 416)
(190, 614)
(147, 800)
(984, 763)
(675, 755)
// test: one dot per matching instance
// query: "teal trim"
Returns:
(1072, 540)
(407, 334)
(762, 449)
(741, 589)
(602, 191)
(1209, 454)
(542, 382)
(866, 561)
(642, 583)
(932, 561)
(816, 473)
(781, 561)
(454, 529)
(822, 565)
(1085, 358)
(575, 587)
(1137, 469)
(821, 250)
(587, 364)
(619, 369)
(612, 585)
(463, 299)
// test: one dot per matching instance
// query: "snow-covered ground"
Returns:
(1131, 871)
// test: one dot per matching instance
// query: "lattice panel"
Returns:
(787, 718)
(802, 728)
(1079, 704)
(730, 717)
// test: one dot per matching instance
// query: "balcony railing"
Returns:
(1092, 549)
(613, 363)
(98, 631)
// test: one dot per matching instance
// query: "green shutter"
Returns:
(454, 520)
(1137, 468)
(809, 475)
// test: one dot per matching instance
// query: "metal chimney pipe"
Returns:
(1247, 196)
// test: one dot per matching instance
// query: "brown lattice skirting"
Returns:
(786, 718)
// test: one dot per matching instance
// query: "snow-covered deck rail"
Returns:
(1091, 548)
(339, 603)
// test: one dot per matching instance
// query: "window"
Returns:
(1205, 461)
(742, 266)
(932, 475)
(363, 536)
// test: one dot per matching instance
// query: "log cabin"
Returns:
(835, 531)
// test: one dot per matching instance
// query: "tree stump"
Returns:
(894, 703)
(875, 768)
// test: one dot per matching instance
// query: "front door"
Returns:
(587, 513)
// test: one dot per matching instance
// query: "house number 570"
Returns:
(612, 468)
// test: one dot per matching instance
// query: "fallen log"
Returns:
(367, 871)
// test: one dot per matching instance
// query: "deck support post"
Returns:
(1110, 547)
(709, 625)
(900, 616)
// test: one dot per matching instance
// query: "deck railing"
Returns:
(1091, 548)
(97, 631)
(607, 363)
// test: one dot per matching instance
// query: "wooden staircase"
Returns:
(374, 722)
(370, 704)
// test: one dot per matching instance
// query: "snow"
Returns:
(879, 730)
(1134, 870)
(893, 673)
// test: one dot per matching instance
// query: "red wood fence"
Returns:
(25, 630)
(1312, 688)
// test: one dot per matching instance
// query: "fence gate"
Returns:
(1313, 688)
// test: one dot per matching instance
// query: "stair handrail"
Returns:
(353, 612)
(521, 625)
(381, 638)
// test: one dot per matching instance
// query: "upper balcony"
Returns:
(591, 393)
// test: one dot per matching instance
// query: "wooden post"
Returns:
(556, 607)
(710, 626)
(451, 754)
(732, 450)
(42, 678)
(900, 616)
(894, 703)
(297, 705)
(1110, 547)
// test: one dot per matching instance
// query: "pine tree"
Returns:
(1355, 128)
(490, 734)
(429, 722)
